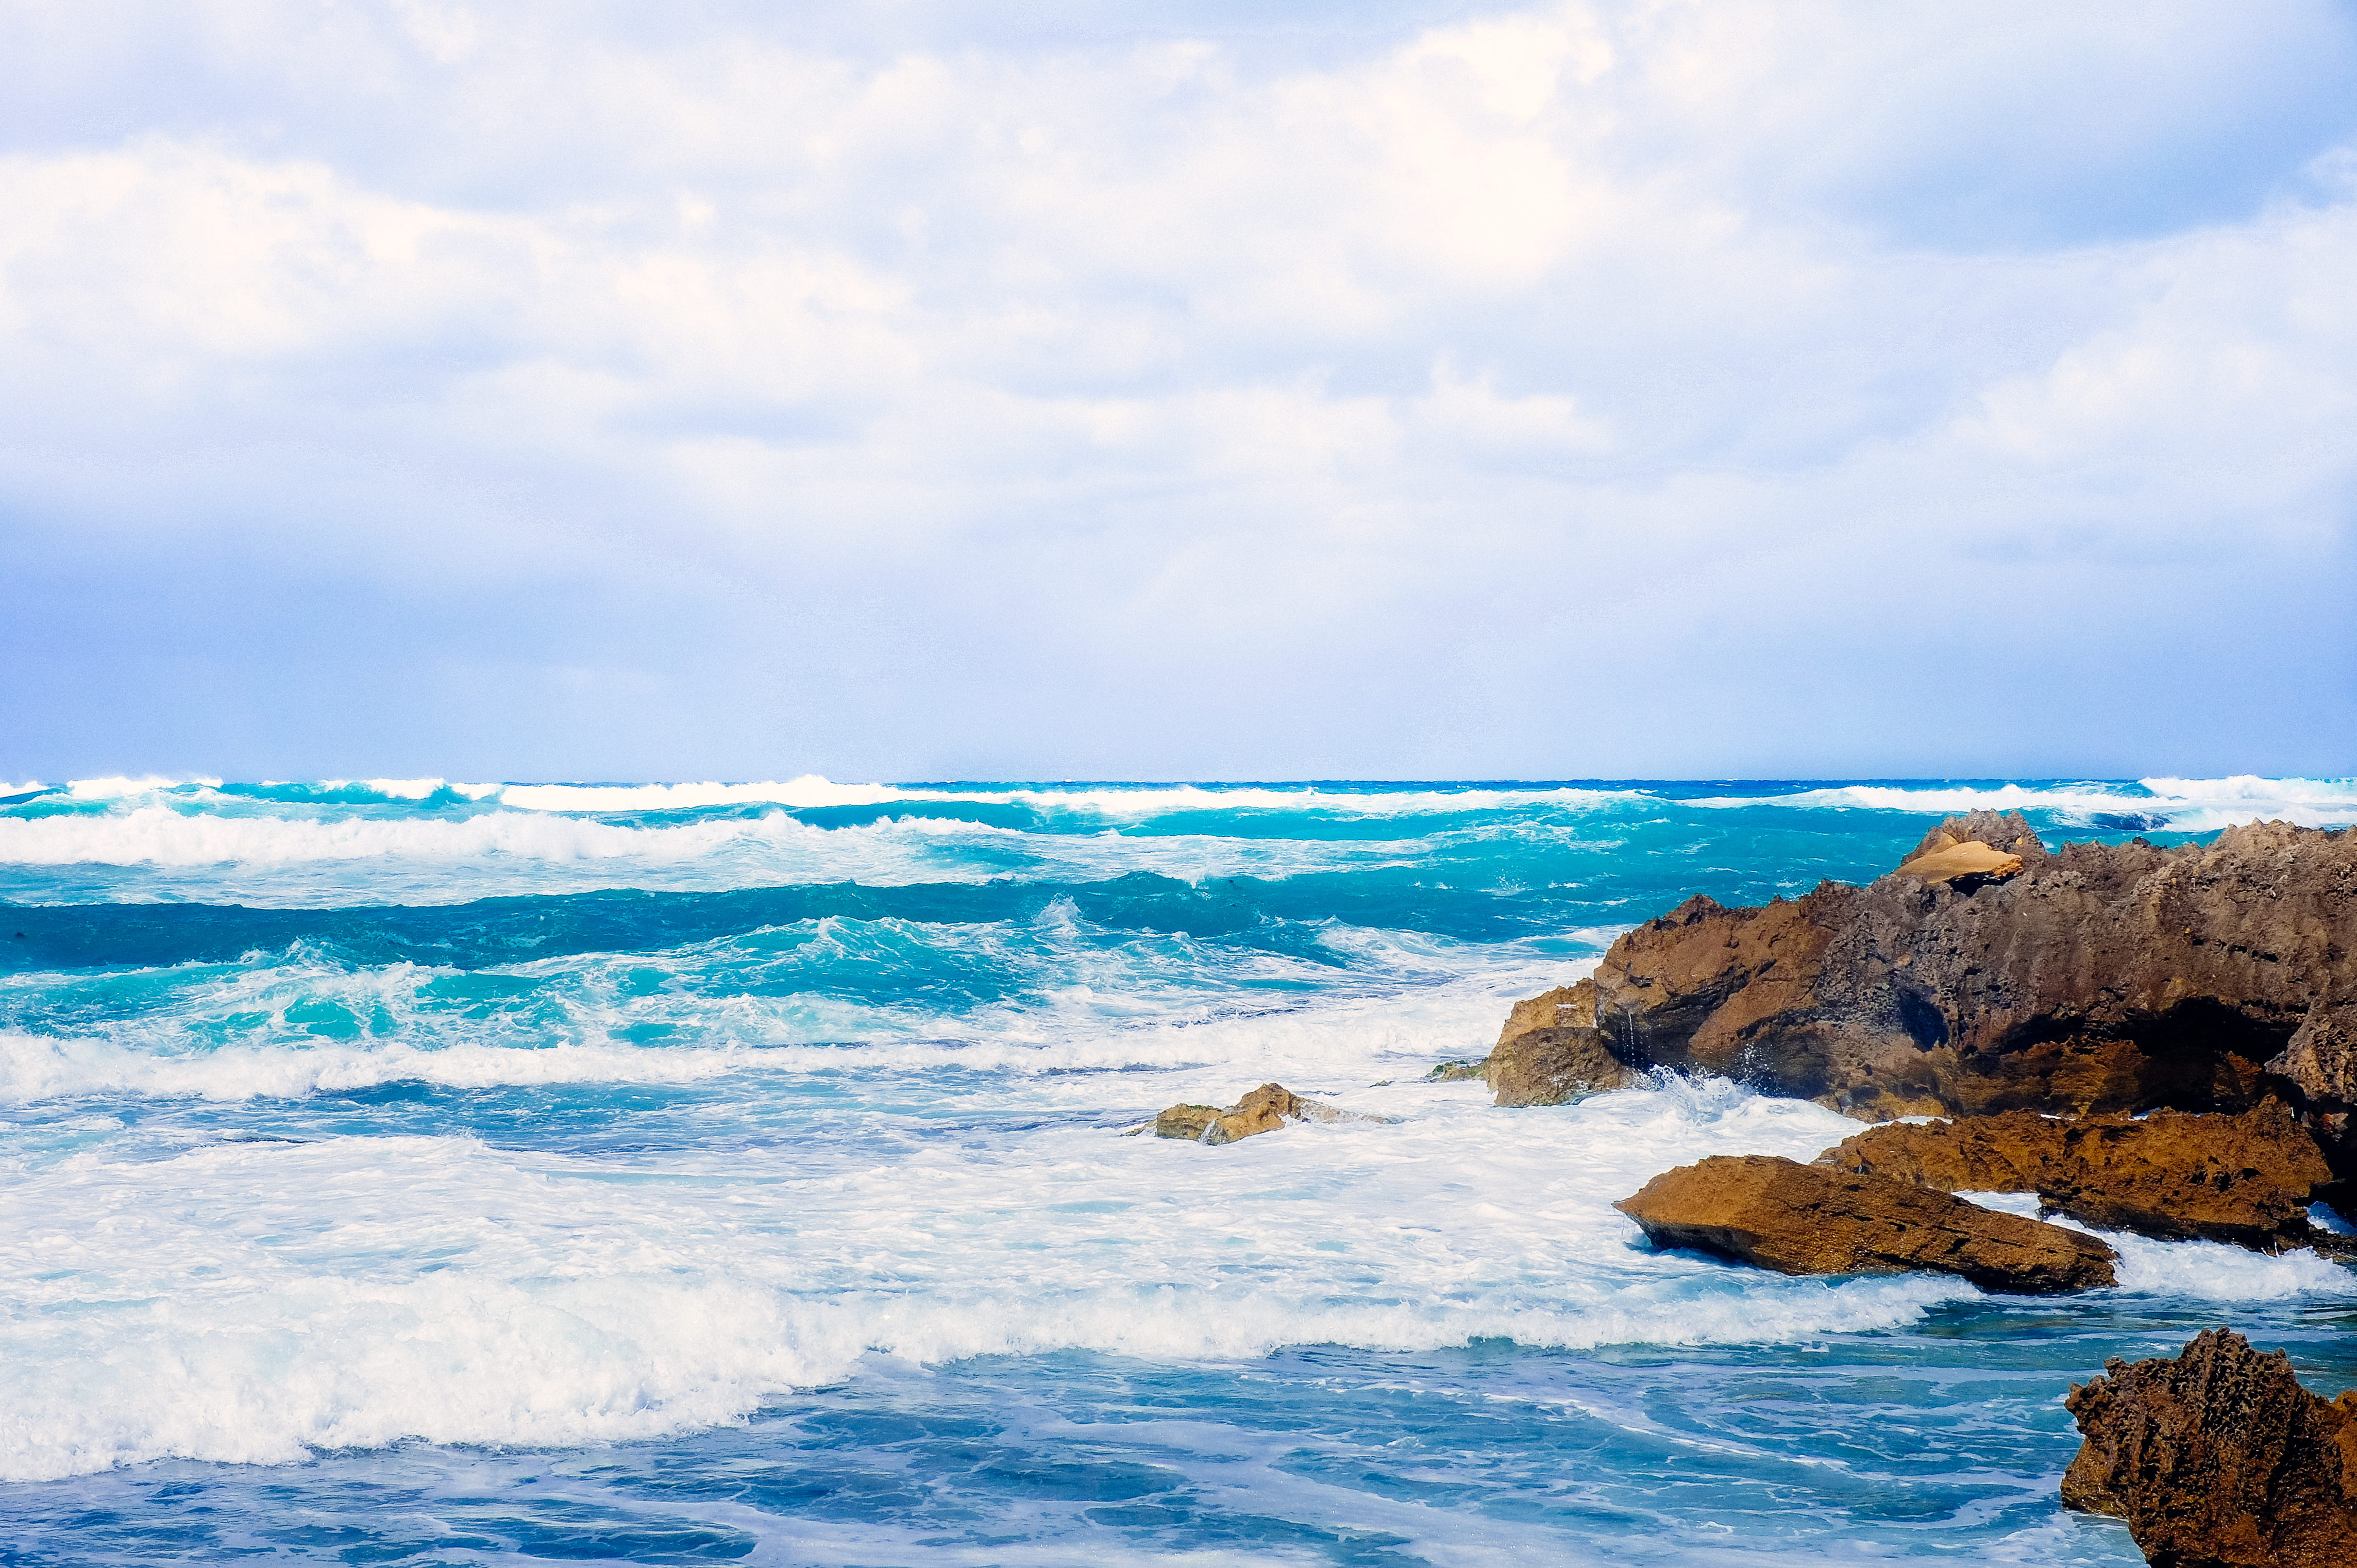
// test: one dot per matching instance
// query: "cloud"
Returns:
(1574, 390)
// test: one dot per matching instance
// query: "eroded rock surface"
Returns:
(1550, 1051)
(1810, 1219)
(2103, 978)
(2246, 1179)
(1264, 1109)
(2218, 1459)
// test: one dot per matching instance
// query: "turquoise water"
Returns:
(404, 1171)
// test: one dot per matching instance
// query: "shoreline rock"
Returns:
(2218, 1457)
(1808, 1219)
(1552, 1053)
(1987, 975)
(2246, 1179)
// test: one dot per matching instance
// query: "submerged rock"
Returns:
(2247, 1179)
(2218, 1459)
(1808, 1219)
(1264, 1109)
(2101, 978)
(1552, 1053)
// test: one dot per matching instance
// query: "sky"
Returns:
(566, 389)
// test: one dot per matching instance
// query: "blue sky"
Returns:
(1196, 391)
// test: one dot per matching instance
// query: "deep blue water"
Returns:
(409, 1172)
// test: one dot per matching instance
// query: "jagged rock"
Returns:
(2103, 978)
(1551, 1052)
(1264, 1109)
(2218, 1459)
(1807, 1219)
(2246, 1179)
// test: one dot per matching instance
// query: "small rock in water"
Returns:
(1458, 1070)
(1805, 1219)
(1264, 1109)
(2245, 1179)
(2216, 1456)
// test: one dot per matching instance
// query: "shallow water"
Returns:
(402, 1172)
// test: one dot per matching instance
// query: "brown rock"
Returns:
(2218, 1459)
(1186, 1121)
(1264, 1109)
(1951, 861)
(2246, 1179)
(2103, 978)
(1807, 1219)
(1550, 1051)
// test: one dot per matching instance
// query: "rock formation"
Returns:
(1264, 1109)
(2218, 1459)
(2099, 978)
(1551, 1052)
(1808, 1219)
(2246, 1178)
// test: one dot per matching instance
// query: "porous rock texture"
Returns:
(1808, 1219)
(2246, 1179)
(2218, 1459)
(1264, 1109)
(2101, 978)
(1552, 1053)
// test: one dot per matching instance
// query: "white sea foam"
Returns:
(2182, 805)
(250, 1301)
(254, 1300)
(770, 849)
(1103, 1014)
(2206, 1271)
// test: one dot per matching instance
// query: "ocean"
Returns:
(419, 1172)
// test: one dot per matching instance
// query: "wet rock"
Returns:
(2103, 978)
(2218, 1459)
(2248, 1179)
(1809, 1219)
(1460, 1071)
(1264, 1109)
(1552, 1053)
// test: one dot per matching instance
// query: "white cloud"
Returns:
(1536, 364)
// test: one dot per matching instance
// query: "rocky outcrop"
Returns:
(1809, 1219)
(1552, 1053)
(2218, 1459)
(2100, 978)
(2246, 1179)
(1264, 1109)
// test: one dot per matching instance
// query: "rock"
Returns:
(1807, 1219)
(1551, 1052)
(2218, 1459)
(2103, 978)
(1460, 1071)
(1187, 1120)
(1951, 862)
(1264, 1109)
(2246, 1178)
